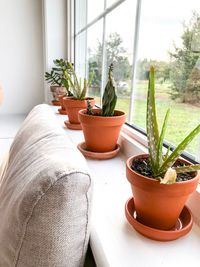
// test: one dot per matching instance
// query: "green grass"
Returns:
(183, 117)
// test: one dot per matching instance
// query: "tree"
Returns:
(116, 54)
(185, 74)
(162, 69)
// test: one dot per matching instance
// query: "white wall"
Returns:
(21, 55)
(55, 34)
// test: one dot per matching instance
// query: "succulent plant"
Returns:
(89, 108)
(79, 91)
(109, 97)
(163, 165)
(58, 75)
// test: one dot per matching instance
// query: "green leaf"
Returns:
(109, 96)
(90, 79)
(151, 119)
(83, 94)
(167, 153)
(179, 149)
(159, 153)
(189, 168)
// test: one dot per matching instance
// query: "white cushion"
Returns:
(45, 197)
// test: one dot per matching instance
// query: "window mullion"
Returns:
(86, 42)
(198, 150)
(102, 15)
(70, 30)
(135, 52)
(103, 56)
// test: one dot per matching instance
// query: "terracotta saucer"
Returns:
(182, 227)
(55, 103)
(73, 126)
(97, 155)
(62, 111)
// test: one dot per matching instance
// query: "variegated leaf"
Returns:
(179, 149)
(189, 168)
(151, 122)
(159, 159)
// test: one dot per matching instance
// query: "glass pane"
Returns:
(110, 2)
(119, 50)
(95, 8)
(94, 58)
(81, 14)
(80, 54)
(170, 40)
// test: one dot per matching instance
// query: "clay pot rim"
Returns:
(61, 96)
(72, 98)
(53, 87)
(130, 159)
(82, 112)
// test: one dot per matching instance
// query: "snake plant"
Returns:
(163, 165)
(109, 97)
(58, 75)
(78, 90)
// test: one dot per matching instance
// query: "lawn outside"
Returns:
(183, 117)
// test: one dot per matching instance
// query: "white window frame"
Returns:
(136, 135)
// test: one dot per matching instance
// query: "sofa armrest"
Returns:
(45, 197)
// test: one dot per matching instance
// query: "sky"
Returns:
(160, 25)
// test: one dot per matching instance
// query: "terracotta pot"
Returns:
(55, 102)
(56, 91)
(158, 205)
(101, 133)
(60, 98)
(62, 110)
(73, 106)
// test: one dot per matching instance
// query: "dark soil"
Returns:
(100, 114)
(142, 166)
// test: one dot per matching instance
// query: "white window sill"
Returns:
(113, 241)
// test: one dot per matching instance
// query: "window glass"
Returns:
(110, 2)
(169, 39)
(94, 9)
(80, 54)
(94, 58)
(81, 14)
(119, 50)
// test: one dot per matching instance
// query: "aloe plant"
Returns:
(79, 91)
(161, 165)
(58, 75)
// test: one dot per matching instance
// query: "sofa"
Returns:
(45, 197)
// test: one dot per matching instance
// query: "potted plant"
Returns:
(79, 99)
(161, 183)
(59, 84)
(101, 127)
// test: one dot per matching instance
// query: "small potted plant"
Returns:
(101, 127)
(79, 100)
(161, 183)
(59, 84)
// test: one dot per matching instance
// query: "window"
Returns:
(134, 35)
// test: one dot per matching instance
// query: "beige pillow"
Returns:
(3, 166)
(45, 197)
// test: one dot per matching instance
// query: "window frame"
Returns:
(134, 131)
